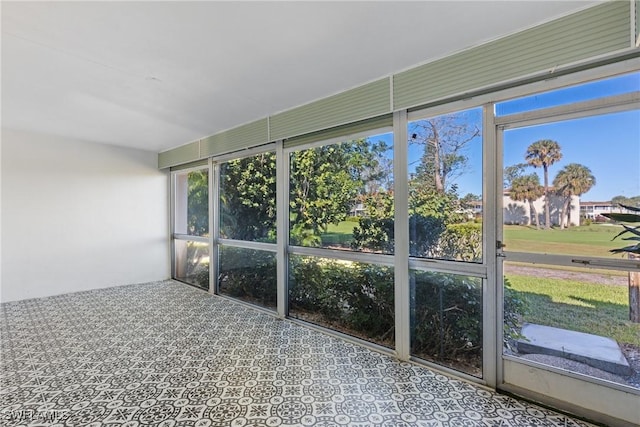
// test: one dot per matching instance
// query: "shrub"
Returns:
(515, 307)
(201, 275)
(197, 272)
(374, 235)
(634, 231)
(462, 242)
(358, 298)
(447, 317)
(378, 235)
(249, 275)
(424, 235)
(353, 297)
(429, 237)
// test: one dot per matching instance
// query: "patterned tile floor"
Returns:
(166, 354)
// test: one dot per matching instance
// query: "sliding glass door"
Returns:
(570, 160)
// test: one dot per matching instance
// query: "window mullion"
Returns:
(214, 224)
(492, 307)
(172, 221)
(282, 228)
(401, 235)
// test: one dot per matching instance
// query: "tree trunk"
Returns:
(547, 214)
(563, 213)
(534, 214)
(436, 160)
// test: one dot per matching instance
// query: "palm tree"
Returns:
(527, 188)
(573, 180)
(544, 152)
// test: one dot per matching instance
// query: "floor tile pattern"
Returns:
(166, 354)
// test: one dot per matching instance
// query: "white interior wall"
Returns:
(78, 216)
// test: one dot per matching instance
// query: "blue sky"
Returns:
(609, 144)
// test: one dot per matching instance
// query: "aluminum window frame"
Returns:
(443, 265)
(172, 218)
(479, 270)
(384, 260)
(490, 270)
(576, 110)
(594, 108)
(217, 242)
(381, 259)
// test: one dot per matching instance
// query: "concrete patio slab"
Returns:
(593, 350)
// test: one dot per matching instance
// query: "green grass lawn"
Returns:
(585, 307)
(592, 240)
(578, 306)
(340, 234)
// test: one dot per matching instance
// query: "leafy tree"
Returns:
(628, 201)
(544, 153)
(375, 231)
(430, 211)
(430, 214)
(324, 183)
(512, 172)
(573, 180)
(445, 139)
(430, 202)
(248, 198)
(198, 203)
(433, 200)
(527, 188)
(469, 199)
(377, 174)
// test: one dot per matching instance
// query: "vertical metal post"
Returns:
(214, 224)
(282, 227)
(401, 235)
(172, 221)
(180, 203)
(492, 231)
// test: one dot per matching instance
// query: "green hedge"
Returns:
(358, 299)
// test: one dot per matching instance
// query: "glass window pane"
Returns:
(585, 92)
(571, 318)
(248, 198)
(341, 195)
(446, 320)
(349, 297)
(561, 177)
(192, 203)
(445, 186)
(192, 262)
(248, 275)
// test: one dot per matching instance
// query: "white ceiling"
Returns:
(155, 75)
